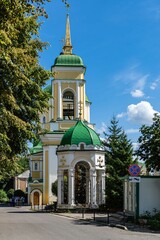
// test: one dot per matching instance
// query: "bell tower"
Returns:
(68, 86)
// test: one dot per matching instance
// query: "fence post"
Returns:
(108, 215)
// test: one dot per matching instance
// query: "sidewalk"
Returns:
(99, 219)
(104, 220)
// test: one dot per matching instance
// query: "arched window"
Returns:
(35, 166)
(82, 146)
(68, 105)
(44, 119)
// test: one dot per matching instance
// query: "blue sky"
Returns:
(119, 42)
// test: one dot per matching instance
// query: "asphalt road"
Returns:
(22, 224)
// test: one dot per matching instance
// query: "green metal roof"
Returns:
(48, 89)
(68, 60)
(80, 133)
(37, 148)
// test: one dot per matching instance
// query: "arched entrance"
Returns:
(81, 183)
(36, 198)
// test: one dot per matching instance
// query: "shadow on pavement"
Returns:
(128, 226)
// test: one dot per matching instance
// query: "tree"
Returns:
(22, 78)
(119, 153)
(3, 196)
(10, 193)
(149, 144)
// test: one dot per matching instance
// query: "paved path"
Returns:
(23, 224)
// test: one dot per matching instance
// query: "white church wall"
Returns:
(52, 170)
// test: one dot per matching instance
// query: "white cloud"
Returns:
(137, 93)
(135, 80)
(128, 75)
(121, 115)
(102, 129)
(135, 145)
(142, 112)
(155, 83)
(132, 130)
(141, 81)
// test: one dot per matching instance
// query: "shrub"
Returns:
(3, 196)
(153, 219)
(10, 193)
(145, 215)
(154, 224)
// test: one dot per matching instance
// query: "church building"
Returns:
(70, 151)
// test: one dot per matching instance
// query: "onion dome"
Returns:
(80, 133)
(69, 60)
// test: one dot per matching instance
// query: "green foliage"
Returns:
(154, 224)
(3, 196)
(149, 144)
(10, 193)
(23, 163)
(66, 3)
(119, 153)
(145, 215)
(22, 78)
(153, 219)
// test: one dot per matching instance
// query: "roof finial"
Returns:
(67, 48)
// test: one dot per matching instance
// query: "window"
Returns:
(68, 105)
(36, 166)
(82, 146)
(44, 119)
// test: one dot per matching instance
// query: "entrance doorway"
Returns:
(81, 183)
(36, 198)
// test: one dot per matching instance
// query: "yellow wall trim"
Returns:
(46, 193)
(35, 174)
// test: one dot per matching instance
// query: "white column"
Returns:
(87, 188)
(93, 187)
(84, 107)
(99, 187)
(60, 184)
(77, 100)
(53, 107)
(103, 186)
(59, 101)
(71, 195)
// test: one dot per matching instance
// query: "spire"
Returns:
(67, 48)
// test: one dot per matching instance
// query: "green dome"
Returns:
(80, 133)
(68, 60)
(37, 148)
